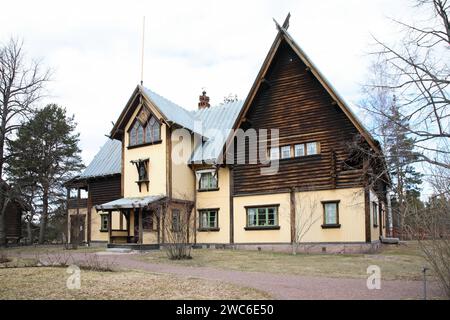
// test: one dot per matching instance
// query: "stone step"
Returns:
(119, 250)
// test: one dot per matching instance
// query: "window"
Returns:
(208, 181)
(274, 153)
(312, 148)
(176, 223)
(142, 171)
(331, 214)
(262, 217)
(209, 219)
(299, 150)
(286, 152)
(148, 133)
(375, 214)
(147, 220)
(104, 222)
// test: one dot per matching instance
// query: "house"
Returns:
(14, 210)
(290, 164)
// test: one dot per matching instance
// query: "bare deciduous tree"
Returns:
(420, 65)
(21, 85)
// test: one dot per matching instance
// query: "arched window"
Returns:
(140, 133)
(134, 133)
(149, 133)
(155, 128)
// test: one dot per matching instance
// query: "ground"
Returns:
(222, 274)
(50, 283)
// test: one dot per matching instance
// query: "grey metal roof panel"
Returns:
(170, 110)
(129, 203)
(106, 162)
(216, 125)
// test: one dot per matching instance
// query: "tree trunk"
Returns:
(44, 215)
(2, 230)
(30, 230)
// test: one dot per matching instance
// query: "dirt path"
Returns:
(285, 286)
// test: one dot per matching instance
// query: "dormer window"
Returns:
(145, 130)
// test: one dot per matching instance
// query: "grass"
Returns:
(50, 283)
(403, 262)
(33, 249)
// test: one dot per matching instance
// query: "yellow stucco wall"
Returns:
(216, 199)
(267, 236)
(309, 216)
(157, 165)
(96, 234)
(183, 177)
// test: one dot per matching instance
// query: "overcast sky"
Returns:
(94, 48)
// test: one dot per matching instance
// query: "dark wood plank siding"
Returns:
(72, 203)
(294, 102)
(13, 221)
(105, 190)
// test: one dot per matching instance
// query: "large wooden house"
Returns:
(322, 194)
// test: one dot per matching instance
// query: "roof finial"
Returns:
(286, 21)
(285, 24)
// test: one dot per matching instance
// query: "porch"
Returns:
(142, 221)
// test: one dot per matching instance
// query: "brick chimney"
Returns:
(204, 101)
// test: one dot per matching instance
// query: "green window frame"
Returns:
(208, 181)
(104, 222)
(262, 217)
(176, 220)
(209, 219)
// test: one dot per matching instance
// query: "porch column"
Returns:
(141, 235)
(109, 225)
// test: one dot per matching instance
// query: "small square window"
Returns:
(312, 148)
(274, 153)
(208, 181)
(286, 152)
(208, 219)
(299, 150)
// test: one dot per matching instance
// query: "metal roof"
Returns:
(129, 203)
(170, 110)
(107, 161)
(216, 124)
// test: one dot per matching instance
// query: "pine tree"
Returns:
(44, 155)
(400, 156)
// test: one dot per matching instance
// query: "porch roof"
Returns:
(129, 203)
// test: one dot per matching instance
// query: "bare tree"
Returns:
(178, 228)
(306, 216)
(21, 85)
(420, 64)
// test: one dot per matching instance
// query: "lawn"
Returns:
(50, 283)
(396, 262)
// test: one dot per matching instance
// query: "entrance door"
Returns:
(77, 227)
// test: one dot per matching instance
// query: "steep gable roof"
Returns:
(283, 35)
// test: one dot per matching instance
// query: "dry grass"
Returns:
(41, 249)
(396, 262)
(50, 283)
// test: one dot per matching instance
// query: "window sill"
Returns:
(144, 144)
(208, 229)
(331, 226)
(103, 230)
(208, 190)
(262, 228)
(375, 226)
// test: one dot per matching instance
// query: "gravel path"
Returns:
(287, 286)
